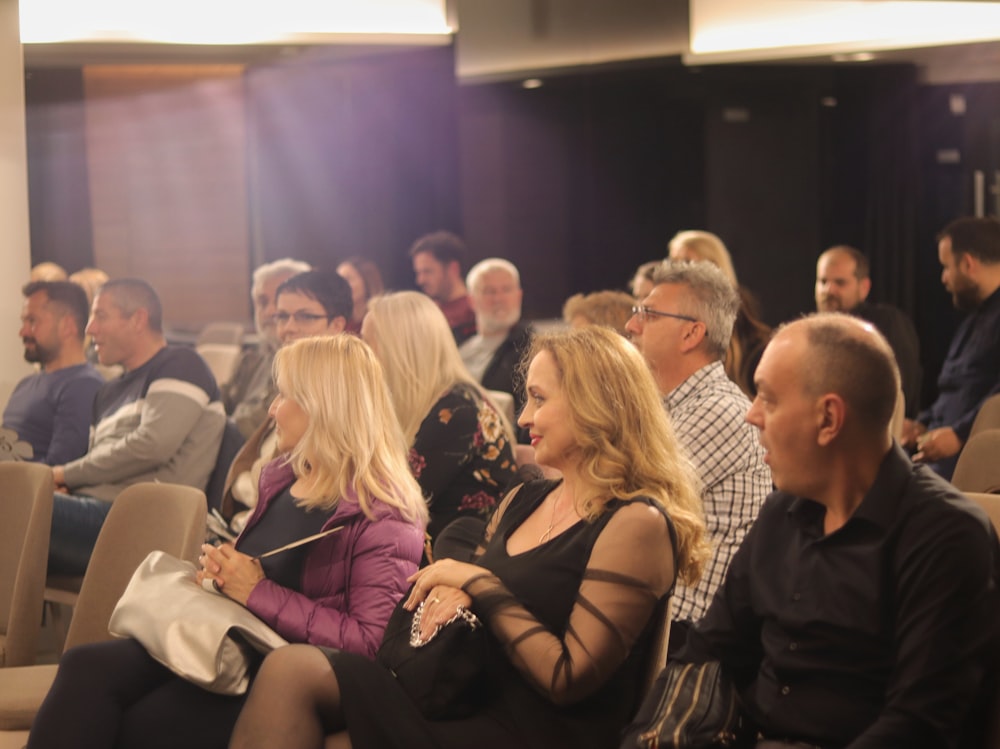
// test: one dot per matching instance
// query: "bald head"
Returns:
(849, 357)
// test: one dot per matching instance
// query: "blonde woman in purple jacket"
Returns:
(343, 463)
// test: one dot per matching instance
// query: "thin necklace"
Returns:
(552, 520)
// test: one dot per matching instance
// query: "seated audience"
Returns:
(842, 285)
(610, 309)
(314, 303)
(861, 609)
(683, 328)
(493, 353)
(162, 420)
(50, 410)
(365, 282)
(642, 282)
(750, 334)
(569, 581)
(437, 265)
(250, 391)
(969, 251)
(461, 448)
(343, 462)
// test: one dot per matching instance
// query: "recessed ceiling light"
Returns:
(530, 83)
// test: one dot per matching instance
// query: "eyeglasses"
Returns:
(301, 317)
(644, 313)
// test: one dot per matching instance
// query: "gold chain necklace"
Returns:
(552, 520)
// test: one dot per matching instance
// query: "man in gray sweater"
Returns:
(162, 420)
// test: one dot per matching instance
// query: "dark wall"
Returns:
(581, 180)
(58, 191)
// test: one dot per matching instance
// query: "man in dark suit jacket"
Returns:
(842, 285)
(493, 353)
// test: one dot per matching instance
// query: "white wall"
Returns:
(15, 250)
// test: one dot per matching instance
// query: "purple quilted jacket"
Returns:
(351, 580)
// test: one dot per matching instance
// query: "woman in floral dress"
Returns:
(461, 451)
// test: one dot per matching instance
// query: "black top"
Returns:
(502, 371)
(570, 624)
(969, 375)
(282, 523)
(876, 635)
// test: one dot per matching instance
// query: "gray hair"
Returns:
(712, 298)
(283, 267)
(490, 264)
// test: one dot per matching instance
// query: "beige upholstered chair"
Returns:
(24, 551)
(988, 416)
(66, 590)
(145, 517)
(978, 468)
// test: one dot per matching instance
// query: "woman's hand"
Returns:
(235, 574)
(440, 607)
(447, 573)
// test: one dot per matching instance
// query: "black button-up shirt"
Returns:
(876, 635)
(969, 375)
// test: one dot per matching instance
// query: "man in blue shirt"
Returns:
(969, 251)
(51, 409)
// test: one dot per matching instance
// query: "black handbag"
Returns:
(689, 706)
(443, 675)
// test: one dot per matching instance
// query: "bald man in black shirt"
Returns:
(861, 610)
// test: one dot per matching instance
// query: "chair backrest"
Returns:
(222, 359)
(221, 332)
(978, 468)
(24, 551)
(144, 517)
(988, 416)
(990, 504)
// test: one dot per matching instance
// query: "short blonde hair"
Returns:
(90, 280)
(706, 246)
(353, 446)
(412, 339)
(612, 309)
(626, 444)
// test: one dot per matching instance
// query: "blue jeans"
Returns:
(76, 521)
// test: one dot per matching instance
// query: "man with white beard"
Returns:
(493, 353)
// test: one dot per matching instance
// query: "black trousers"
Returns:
(112, 695)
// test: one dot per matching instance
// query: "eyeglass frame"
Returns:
(301, 317)
(643, 312)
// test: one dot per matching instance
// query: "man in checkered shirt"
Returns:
(683, 329)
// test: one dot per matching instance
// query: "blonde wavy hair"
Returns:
(626, 444)
(412, 339)
(703, 245)
(353, 446)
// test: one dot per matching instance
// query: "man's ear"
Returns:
(140, 319)
(693, 337)
(864, 287)
(831, 410)
(455, 270)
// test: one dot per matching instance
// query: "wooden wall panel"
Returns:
(166, 151)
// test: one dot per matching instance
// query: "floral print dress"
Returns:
(462, 458)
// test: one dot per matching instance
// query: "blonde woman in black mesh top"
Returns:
(568, 579)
